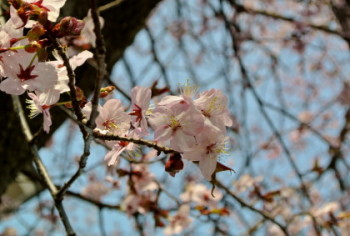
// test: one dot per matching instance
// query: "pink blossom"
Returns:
(51, 6)
(80, 59)
(144, 180)
(24, 72)
(210, 143)
(201, 195)
(15, 19)
(142, 191)
(112, 157)
(37, 106)
(213, 105)
(132, 204)
(139, 203)
(246, 182)
(184, 101)
(9, 32)
(172, 100)
(61, 86)
(112, 118)
(95, 190)
(176, 125)
(306, 116)
(179, 221)
(140, 98)
(87, 35)
(87, 110)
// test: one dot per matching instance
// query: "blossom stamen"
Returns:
(110, 125)
(174, 123)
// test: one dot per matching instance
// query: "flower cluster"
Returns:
(24, 64)
(196, 128)
(192, 125)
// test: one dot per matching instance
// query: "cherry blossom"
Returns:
(142, 194)
(112, 118)
(117, 147)
(193, 126)
(176, 125)
(36, 106)
(246, 182)
(87, 109)
(51, 7)
(213, 105)
(112, 157)
(96, 189)
(25, 72)
(184, 101)
(131, 204)
(143, 179)
(201, 195)
(210, 143)
(87, 36)
(8, 36)
(15, 20)
(61, 86)
(179, 221)
(140, 99)
(137, 203)
(9, 33)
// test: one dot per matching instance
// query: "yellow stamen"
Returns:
(174, 123)
(213, 106)
(34, 111)
(188, 89)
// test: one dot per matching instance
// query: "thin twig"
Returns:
(101, 72)
(41, 167)
(156, 57)
(99, 55)
(274, 15)
(244, 204)
(248, 84)
(71, 83)
(109, 5)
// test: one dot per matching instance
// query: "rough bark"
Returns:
(121, 25)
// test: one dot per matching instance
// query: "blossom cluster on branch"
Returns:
(38, 57)
(24, 58)
(195, 128)
(191, 124)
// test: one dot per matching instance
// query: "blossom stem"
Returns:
(16, 48)
(32, 60)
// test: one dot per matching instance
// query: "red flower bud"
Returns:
(32, 47)
(104, 92)
(68, 26)
(174, 164)
(35, 32)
